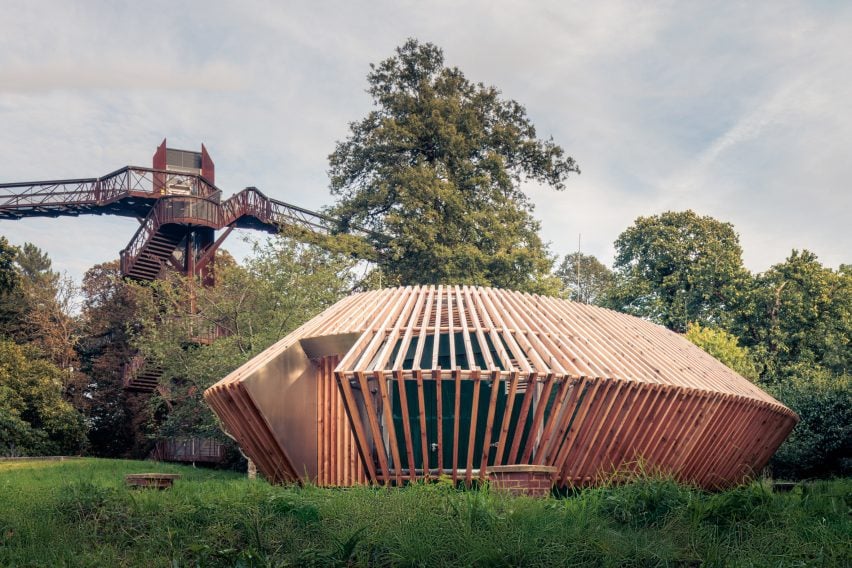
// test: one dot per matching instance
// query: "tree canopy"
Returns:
(679, 267)
(436, 169)
(584, 278)
(724, 347)
(34, 418)
(199, 335)
(799, 312)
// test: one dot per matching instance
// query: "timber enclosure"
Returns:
(402, 384)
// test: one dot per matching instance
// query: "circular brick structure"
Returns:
(408, 383)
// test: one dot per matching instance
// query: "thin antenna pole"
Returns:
(577, 264)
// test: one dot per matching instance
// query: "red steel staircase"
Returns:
(179, 209)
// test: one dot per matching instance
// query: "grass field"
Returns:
(78, 513)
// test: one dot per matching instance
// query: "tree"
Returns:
(47, 319)
(109, 315)
(34, 419)
(8, 273)
(799, 312)
(35, 265)
(584, 278)
(435, 171)
(821, 444)
(724, 347)
(199, 335)
(11, 302)
(679, 267)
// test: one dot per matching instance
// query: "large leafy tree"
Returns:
(799, 312)
(584, 278)
(679, 267)
(435, 170)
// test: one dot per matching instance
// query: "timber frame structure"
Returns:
(402, 384)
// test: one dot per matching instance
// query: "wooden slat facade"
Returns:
(454, 380)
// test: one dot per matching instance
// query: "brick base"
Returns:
(530, 480)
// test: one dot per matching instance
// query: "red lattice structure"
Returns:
(402, 384)
(179, 209)
(178, 206)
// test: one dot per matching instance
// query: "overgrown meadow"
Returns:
(78, 513)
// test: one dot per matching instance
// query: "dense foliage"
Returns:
(789, 328)
(584, 278)
(435, 170)
(799, 312)
(41, 387)
(198, 335)
(109, 321)
(821, 445)
(679, 267)
(78, 514)
(34, 418)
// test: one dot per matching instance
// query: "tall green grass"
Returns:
(78, 513)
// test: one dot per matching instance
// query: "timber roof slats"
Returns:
(519, 343)
(379, 332)
(421, 338)
(393, 337)
(465, 327)
(541, 338)
(460, 309)
(436, 343)
(518, 379)
(451, 327)
(480, 336)
(409, 330)
(567, 340)
(510, 332)
(497, 339)
(624, 356)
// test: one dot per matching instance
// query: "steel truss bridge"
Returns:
(176, 226)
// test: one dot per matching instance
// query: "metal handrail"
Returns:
(146, 230)
(126, 181)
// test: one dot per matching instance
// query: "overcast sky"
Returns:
(734, 110)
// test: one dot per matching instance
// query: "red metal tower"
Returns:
(179, 209)
(178, 206)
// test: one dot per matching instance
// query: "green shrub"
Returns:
(821, 444)
(724, 347)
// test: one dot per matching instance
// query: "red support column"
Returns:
(160, 164)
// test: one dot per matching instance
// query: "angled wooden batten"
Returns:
(400, 384)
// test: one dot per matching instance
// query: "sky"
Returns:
(737, 110)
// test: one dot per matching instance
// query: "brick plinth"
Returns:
(530, 480)
(151, 480)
